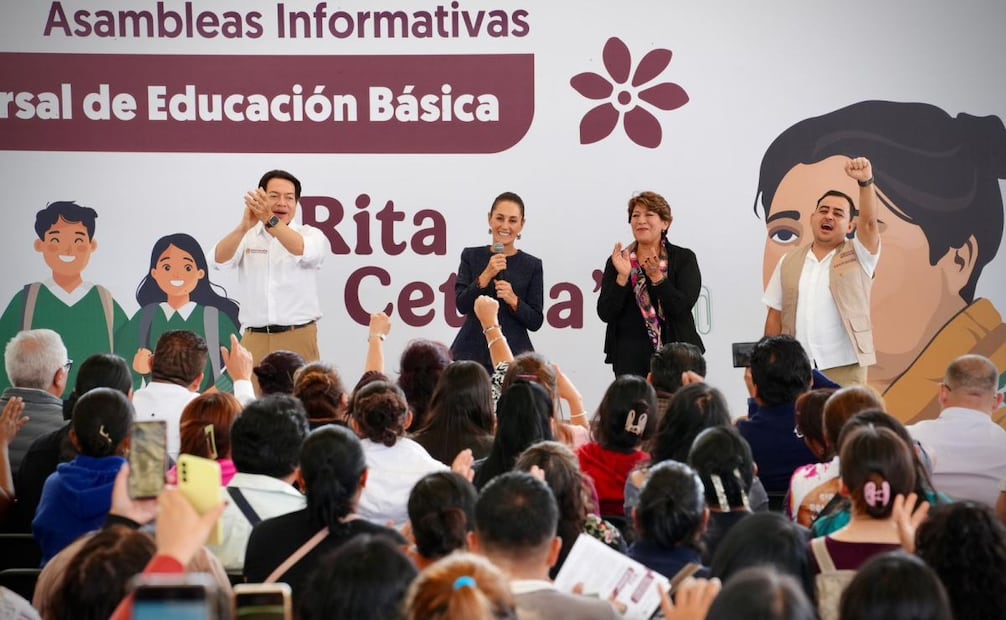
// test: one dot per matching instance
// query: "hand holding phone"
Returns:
(199, 481)
(148, 458)
(263, 601)
(742, 353)
(189, 596)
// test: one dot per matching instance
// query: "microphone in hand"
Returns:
(498, 248)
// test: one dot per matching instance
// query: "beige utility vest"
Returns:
(850, 287)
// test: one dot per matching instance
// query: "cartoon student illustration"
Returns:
(176, 293)
(85, 315)
(941, 221)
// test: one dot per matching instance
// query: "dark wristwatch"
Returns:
(274, 220)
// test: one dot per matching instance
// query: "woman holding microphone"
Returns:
(503, 272)
(648, 290)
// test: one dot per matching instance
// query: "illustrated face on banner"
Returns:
(66, 248)
(282, 199)
(176, 272)
(941, 220)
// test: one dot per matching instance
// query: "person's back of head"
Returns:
(765, 538)
(672, 509)
(881, 419)
(841, 406)
(441, 512)
(723, 461)
(531, 366)
(275, 372)
(331, 469)
(462, 402)
(98, 576)
(461, 586)
(179, 357)
(205, 425)
(319, 388)
(896, 586)
(780, 370)
(971, 381)
(692, 409)
(366, 577)
(267, 437)
(761, 593)
(36, 359)
(99, 370)
(380, 412)
(524, 417)
(419, 370)
(965, 543)
(670, 361)
(809, 420)
(627, 414)
(516, 518)
(876, 466)
(101, 422)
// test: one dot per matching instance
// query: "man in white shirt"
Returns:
(831, 278)
(516, 520)
(277, 261)
(265, 447)
(967, 448)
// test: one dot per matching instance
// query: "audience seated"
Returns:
(670, 519)
(176, 374)
(319, 388)
(275, 372)
(764, 593)
(333, 473)
(967, 447)
(441, 514)
(723, 461)
(265, 444)
(766, 538)
(780, 373)
(38, 367)
(205, 431)
(574, 495)
(76, 498)
(814, 485)
(836, 514)
(624, 419)
(516, 520)
(48, 451)
(461, 586)
(965, 543)
(667, 366)
(524, 417)
(419, 369)
(897, 586)
(460, 414)
(531, 366)
(367, 577)
(394, 462)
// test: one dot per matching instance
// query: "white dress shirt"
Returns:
(818, 324)
(968, 451)
(269, 497)
(391, 474)
(278, 288)
(164, 401)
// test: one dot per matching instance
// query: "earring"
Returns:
(490, 231)
(518, 235)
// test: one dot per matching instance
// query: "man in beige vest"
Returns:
(831, 279)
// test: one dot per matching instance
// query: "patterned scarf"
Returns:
(651, 316)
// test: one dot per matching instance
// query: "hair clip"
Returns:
(875, 496)
(465, 581)
(211, 440)
(740, 485)
(638, 426)
(104, 434)
(721, 493)
(528, 378)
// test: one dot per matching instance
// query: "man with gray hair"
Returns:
(38, 367)
(967, 448)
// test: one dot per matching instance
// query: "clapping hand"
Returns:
(620, 260)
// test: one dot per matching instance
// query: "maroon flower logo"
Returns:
(627, 101)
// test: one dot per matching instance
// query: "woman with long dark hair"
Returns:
(176, 293)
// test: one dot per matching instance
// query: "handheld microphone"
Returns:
(498, 248)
